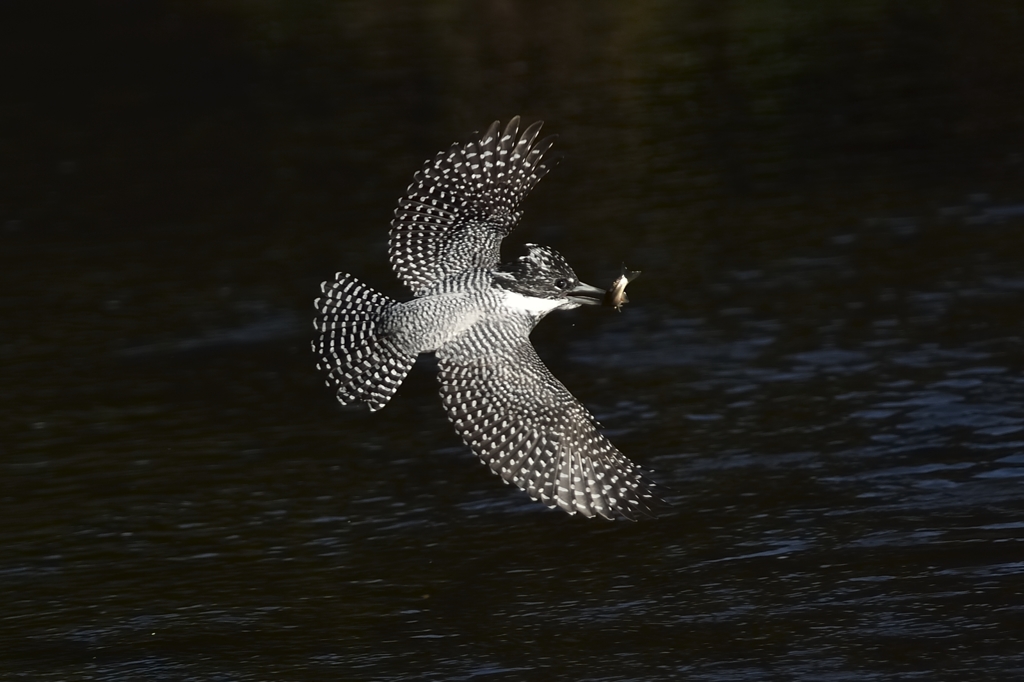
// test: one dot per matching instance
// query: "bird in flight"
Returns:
(476, 314)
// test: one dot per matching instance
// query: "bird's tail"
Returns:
(361, 362)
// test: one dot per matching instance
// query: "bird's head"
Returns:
(544, 282)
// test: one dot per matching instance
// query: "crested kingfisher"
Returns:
(476, 314)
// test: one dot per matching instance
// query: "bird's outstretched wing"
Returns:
(527, 427)
(463, 203)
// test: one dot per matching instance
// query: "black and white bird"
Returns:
(476, 314)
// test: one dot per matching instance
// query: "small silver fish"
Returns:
(616, 297)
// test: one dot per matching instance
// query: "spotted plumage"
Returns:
(362, 364)
(463, 203)
(527, 427)
(476, 315)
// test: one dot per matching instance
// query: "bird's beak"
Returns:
(586, 294)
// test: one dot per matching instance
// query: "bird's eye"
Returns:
(561, 283)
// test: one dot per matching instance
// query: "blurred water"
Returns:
(822, 361)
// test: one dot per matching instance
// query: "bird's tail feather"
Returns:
(362, 363)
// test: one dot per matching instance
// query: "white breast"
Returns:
(530, 304)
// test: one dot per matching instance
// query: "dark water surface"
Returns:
(822, 361)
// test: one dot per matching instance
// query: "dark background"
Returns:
(822, 360)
